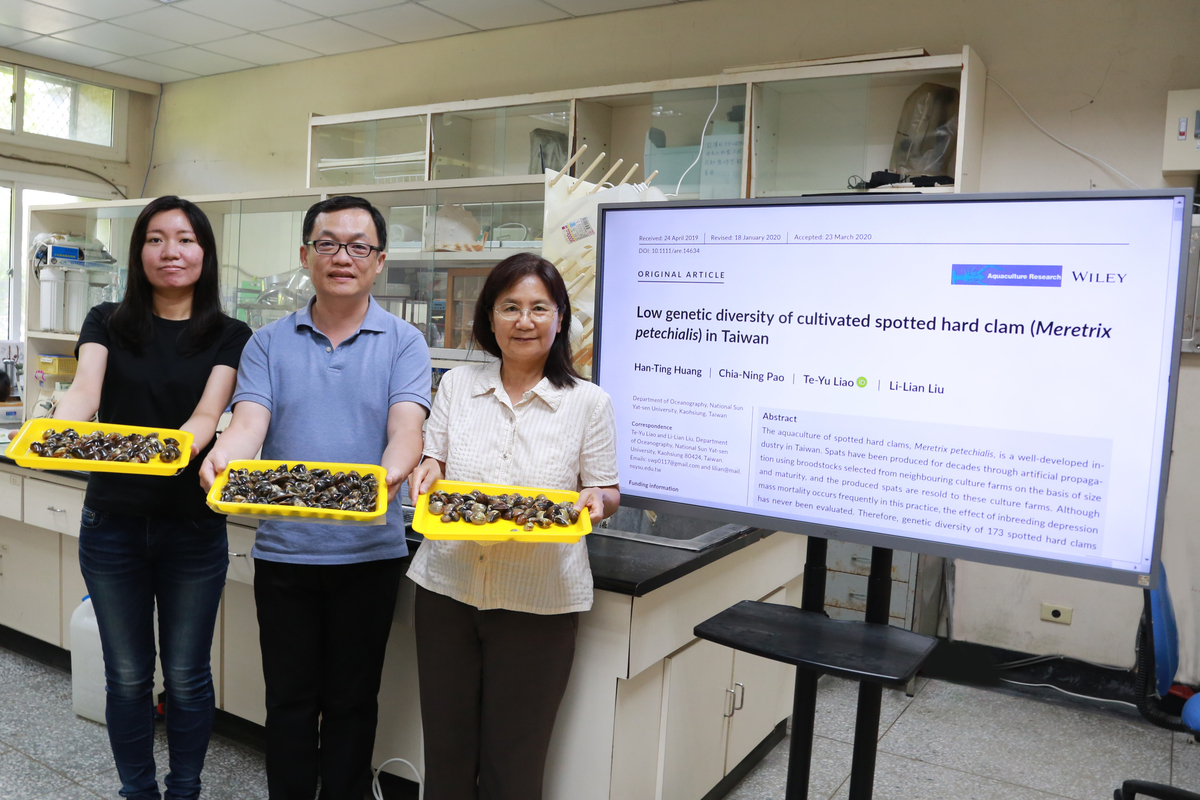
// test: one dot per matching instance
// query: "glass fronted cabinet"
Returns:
(387, 150)
(80, 256)
(831, 134)
(498, 142)
(660, 132)
(443, 240)
(802, 128)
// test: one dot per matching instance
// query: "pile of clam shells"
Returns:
(101, 446)
(479, 508)
(300, 486)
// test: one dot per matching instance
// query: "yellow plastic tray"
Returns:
(326, 515)
(31, 431)
(502, 530)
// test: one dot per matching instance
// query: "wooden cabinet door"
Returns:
(696, 687)
(10, 495)
(30, 600)
(242, 677)
(73, 586)
(762, 695)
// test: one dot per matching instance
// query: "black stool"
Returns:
(872, 652)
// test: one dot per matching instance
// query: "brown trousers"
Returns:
(491, 684)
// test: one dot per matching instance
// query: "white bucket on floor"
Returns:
(87, 663)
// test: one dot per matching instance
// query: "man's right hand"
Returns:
(213, 465)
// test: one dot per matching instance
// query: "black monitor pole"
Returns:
(870, 694)
(804, 701)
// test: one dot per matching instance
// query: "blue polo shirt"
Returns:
(331, 404)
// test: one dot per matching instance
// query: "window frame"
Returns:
(114, 152)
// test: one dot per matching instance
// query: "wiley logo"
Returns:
(1099, 277)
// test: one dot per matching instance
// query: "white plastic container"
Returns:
(76, 299)
(87, 663)
(52, 282)
(88, 693)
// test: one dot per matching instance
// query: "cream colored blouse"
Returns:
(549, 438)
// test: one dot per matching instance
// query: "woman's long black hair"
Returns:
(558, 367)
(132, 322)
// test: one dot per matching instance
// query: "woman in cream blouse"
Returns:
(496, 624)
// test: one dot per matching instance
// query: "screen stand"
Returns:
(804, 700)
(870, 695)
(871, 652)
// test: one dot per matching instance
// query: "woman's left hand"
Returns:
(593, 498)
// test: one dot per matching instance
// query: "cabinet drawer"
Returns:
(241, 565)
(856, 559)
(850, 592)
(859, 616)
(10, 495)
(49, 505)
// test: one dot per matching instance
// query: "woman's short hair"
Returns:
(132, 322)
(559, 369)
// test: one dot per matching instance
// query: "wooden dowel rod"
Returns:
(567, 166)
(628, 175)
(611, 170)
(579, 181)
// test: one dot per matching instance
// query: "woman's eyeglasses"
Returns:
(511, 312)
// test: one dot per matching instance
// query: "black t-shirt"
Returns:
(158, 388)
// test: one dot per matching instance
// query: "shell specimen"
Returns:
(478, 508)
(99, 446)
(300, 486)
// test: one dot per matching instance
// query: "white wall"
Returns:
(1094, 72)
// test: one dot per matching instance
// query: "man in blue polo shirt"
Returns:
(341, 380)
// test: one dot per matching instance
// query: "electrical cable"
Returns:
(1025, 662)
(153, 138)
(1073, 694)
(66, 166)
(1060, 141)
(699, 151)
(377, 790)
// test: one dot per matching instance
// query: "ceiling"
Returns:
(173, 40)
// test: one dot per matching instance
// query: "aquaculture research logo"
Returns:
(1005, 275)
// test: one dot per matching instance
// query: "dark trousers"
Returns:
(323, 630)
(491, 684)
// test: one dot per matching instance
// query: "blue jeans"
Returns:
(131, 564)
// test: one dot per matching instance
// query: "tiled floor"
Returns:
(948, 741)
(48, 753)
(964, 743)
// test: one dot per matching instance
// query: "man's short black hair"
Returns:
(342, 202)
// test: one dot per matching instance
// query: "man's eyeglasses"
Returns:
(511, 312)
(325, 247)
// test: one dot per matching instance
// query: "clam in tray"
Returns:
(314, 491)
(491, 503)
(55, 444)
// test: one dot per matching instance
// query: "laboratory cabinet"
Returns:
(770, 131)
(444, 238)
(643, 693)
(917, 586)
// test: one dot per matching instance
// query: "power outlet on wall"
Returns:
(1053, 613)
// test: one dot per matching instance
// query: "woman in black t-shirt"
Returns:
(166, 357)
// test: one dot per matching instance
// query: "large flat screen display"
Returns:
(989, 377)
